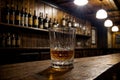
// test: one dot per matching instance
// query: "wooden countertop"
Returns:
(84, 69)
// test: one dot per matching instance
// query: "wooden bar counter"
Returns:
(88, 68)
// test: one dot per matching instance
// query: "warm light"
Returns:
(81, 2)
(115, 29)
(101, 14)
(108, 23)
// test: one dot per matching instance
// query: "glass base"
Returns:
(62, 65)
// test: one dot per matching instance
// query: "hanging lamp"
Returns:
(108, 23)
(102, 13)
(115, 29)
(80, 2)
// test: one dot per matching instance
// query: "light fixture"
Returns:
(115, 29)
(101, 14)
(80, 2)
(108, 23)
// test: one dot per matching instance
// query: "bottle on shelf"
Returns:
(54, 23)
(70, 22)
(40, 21)
(35, 20)
(74, 23)
(26, 18)
(18, 40)
(17, 16)
(22, 16)
(12, 14)
(45, 22)
(66, 20)
(5, 13)
(63, 21)
(13, 41)
(30, 18)
(50, 23)
(57, 23)
(8, 40)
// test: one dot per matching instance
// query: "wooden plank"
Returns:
(88, 68)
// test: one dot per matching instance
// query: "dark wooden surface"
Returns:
(84, 69)
(18, 55)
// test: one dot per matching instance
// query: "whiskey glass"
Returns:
(62, 47)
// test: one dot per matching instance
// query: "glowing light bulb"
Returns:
(115, 29)
(108, 23)
(101, 14)
(80, 2)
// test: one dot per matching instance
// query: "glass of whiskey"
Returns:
(62, 47)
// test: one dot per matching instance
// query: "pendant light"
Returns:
(108, 23)
(101, 14)
(115, 29)
(80, 2)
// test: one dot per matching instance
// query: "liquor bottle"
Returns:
(5, 14)
(54, 23)
(30, 19)
(50, 22)
(22, 16)
(45, 22)
(57, 23)
(35, 20)
(17, 16)
(12, 14)
(74, 23)
(26, 18)
(18, 40)
(8, 40)
(69, 22)
(66, 20)
(40, 20)
(63, 21)
(13, 41)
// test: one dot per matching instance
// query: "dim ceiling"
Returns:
(88, 11)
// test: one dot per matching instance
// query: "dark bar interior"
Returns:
(25, 46)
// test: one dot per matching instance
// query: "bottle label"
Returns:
(8, 42)
(41, 26)
(69, 24)
(7, 17)
(13, 42)
(46, 25)
(18, 41)
(36, 22)
(30, 21)
(22, 20)
(17, 17)
(55, 25)
(12, 17)
(63, 23)
(26, 21)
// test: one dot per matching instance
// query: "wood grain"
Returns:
(84, 69)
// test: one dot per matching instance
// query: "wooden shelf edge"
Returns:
(35, 29)
(23, 27)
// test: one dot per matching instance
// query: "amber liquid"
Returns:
(62, 55)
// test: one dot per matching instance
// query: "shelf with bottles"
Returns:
(25, 28)
(5, 25)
